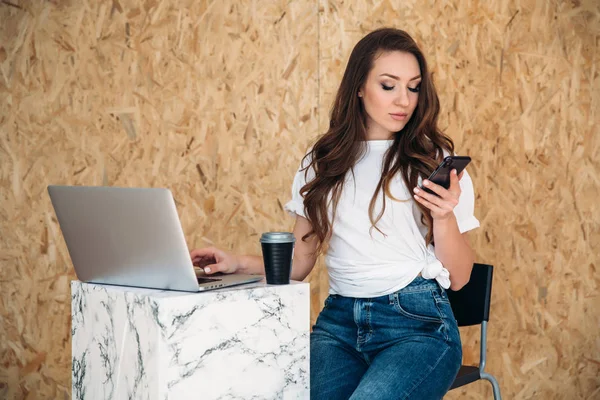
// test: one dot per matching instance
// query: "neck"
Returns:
(379, 136)
(378, 133)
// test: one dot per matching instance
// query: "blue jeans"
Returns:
(405, 345)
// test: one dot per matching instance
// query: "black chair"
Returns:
(471, 306)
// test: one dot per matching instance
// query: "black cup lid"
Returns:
(277, 237)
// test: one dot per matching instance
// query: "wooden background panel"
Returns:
(219, 100)
(214, 99)
(518, 86)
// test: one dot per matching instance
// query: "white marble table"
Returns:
(245, 342)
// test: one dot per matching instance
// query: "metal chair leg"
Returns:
(494, 382)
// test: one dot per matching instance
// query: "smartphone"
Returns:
(441, 175)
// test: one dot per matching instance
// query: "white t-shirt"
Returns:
(362, 262)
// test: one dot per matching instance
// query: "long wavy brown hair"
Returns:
(416, 150)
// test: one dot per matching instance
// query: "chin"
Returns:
(396, 128)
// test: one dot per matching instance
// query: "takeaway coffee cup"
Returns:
(278, 251)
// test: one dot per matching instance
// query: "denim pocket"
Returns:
(417, 305)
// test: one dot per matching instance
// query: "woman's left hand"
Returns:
(442, 205)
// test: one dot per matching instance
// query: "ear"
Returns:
(359, 93)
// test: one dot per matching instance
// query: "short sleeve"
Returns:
(295, 206)
(465, 210)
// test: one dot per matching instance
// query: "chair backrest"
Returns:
(471, 304)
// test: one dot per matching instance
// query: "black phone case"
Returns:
(441, 175)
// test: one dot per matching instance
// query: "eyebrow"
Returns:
(397, 78)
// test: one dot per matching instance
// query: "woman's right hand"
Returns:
(213, 260)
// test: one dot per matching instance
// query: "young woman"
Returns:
(386, 330)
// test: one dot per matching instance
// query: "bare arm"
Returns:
(453, 250)
(451, 247)
(215, 260)
(304, 253)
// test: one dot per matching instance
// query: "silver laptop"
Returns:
(130, 237)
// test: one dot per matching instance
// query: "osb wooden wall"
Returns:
(218, 100)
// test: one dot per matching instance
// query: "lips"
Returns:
(399, 116)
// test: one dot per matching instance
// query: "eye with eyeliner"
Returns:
(415, 89)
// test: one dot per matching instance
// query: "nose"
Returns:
(402, 98)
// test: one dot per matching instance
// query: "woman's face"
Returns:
(390, 93)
